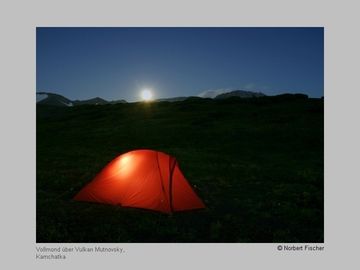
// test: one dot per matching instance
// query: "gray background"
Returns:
(17, 61)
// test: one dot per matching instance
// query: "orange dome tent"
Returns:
(143, 179)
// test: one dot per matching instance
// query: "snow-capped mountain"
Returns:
(45, 98)
(240, 93)
(225, 93)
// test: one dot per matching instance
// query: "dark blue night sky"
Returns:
(117, 63)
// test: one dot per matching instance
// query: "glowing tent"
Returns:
(143, 179)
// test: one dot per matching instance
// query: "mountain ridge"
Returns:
(52, 99)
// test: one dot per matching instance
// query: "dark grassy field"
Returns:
(257, 164)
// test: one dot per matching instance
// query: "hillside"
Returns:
(93, 101)
(257, 163)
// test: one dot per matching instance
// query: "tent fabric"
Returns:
(143, 179)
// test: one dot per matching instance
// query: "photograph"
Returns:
(179, 134)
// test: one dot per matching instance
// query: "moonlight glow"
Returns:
(146, 95)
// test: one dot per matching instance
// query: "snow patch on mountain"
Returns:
(69, 104)
(213, 93)
(40, 97)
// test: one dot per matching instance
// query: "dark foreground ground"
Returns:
(257, 164)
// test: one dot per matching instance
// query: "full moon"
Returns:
(146, 95)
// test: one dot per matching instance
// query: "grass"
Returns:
(256, 163)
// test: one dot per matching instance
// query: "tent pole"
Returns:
(172, 163)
